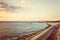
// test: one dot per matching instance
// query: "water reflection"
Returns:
(20, 28)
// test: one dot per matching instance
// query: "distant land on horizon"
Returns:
(27, 21)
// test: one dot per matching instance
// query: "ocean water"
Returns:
(20, 28)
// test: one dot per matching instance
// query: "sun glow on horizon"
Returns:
(32, 10)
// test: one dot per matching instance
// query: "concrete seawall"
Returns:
(48, 34)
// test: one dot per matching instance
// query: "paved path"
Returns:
(58, 33)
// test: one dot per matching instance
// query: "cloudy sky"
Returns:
(32, 10)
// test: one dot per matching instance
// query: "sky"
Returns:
(31, 10)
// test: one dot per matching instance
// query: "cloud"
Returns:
(36, 9)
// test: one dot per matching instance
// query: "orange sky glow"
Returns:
(32, 11)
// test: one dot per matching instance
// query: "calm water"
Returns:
(20, 28)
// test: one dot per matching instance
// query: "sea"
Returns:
(19, 28)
